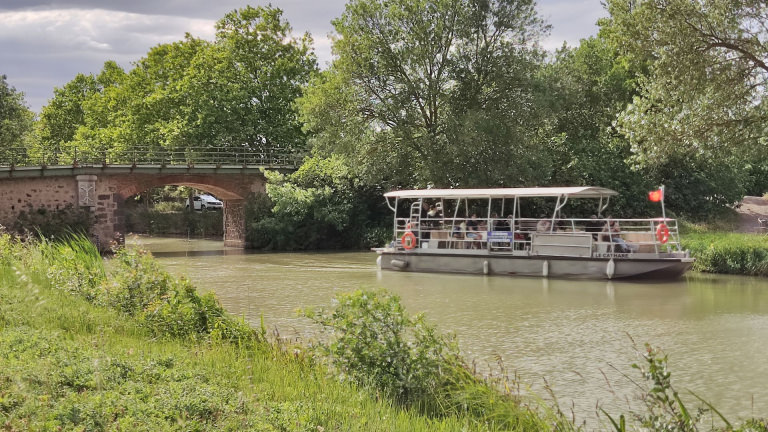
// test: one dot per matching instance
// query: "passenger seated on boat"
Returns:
(594, 226)
(459, 229)
(499, 224)
(472, 224)
(482, 229)
(543, 226)
(473, 230)
(619, 245)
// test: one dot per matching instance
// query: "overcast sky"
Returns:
(45, 43)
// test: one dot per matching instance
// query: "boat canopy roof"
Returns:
(573, 192)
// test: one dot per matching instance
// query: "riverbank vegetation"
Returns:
(728, 253)
(127, 346)
(89, 346)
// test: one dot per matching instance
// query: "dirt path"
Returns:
(751, 209)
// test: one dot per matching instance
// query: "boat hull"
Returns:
(537, 266)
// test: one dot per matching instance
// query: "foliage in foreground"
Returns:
(728, 253)
(162, 357)
(68, 364)
(379, 346)
(136, 286)
(663, 408)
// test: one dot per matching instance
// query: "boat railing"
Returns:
(504, 235)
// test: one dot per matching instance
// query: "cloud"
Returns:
(572, 20)
(44, 49)
(45, 43)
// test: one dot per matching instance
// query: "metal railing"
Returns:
(634, 235)
(190, 156)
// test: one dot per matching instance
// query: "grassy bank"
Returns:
(134, 349)
(728, 253)
(128, 347)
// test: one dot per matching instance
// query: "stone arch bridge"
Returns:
(103, 185)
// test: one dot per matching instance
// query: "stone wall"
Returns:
(17, 195)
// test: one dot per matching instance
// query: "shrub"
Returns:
(664, 410)
(730, 253)
(379, 346)
(75, 265)
(158, 221)
(168, 306)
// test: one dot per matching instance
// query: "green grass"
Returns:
(728, 253)
(70, 363)
(87, 349)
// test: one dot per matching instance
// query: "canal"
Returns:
(578, 335)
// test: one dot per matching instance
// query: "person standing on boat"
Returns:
(424, 222)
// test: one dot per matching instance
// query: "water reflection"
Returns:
(577, 334)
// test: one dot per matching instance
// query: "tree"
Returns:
(16, 122)
(701, 108)
(588, 87)
(64, 114)
(265, 71)
(235, 93)
(432, 92)
(323, 205)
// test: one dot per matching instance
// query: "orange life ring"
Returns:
(662, 233)
(408, 240)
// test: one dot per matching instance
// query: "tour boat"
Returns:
(465, 231)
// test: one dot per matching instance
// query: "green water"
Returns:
(574, 334)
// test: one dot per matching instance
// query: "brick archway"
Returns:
(232, 189)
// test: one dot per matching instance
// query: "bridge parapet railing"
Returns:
(189, 156)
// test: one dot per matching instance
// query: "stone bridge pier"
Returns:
(104, 190)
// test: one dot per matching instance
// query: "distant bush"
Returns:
(323, 205)
(169, 206)
(729, 253)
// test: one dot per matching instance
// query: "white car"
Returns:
(206, 202)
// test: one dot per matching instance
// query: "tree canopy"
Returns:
(451, 93)
(433, 92)
(16, 120)
(699, 119)
(233, 93)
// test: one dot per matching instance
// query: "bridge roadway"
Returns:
(102, 185)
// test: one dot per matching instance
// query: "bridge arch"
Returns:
(232, 189)
(104, 190)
